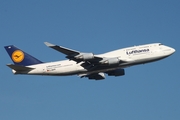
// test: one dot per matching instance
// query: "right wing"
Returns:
(96, 76)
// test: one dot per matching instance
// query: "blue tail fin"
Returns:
(19, 57)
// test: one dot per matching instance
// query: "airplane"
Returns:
(87, 65)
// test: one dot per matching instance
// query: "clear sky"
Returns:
(146, 92)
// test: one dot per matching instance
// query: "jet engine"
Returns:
(84, 56)
(118, 72)
(111, 61)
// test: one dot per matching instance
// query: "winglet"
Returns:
(49, 44)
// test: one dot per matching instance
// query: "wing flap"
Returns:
(19, 67)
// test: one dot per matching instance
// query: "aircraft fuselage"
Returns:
(129, 56)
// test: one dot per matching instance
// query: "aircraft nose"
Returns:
(169, 50)
(172, 50)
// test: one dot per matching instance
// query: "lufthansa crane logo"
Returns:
(18, 56)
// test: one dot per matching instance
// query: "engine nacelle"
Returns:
(111, 61)
(118, 72)
(85, 56)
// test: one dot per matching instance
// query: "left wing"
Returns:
(75, 55)
(61, 49)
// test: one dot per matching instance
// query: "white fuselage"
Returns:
(132, 55)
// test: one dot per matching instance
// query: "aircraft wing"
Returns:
(96, 76)
(61, 49)
(75, 55)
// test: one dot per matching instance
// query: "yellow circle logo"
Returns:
(18, 56)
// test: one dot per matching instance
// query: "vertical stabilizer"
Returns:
(20, 57)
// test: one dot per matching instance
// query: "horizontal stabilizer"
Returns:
(19, 67)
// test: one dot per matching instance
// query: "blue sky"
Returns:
(149, 91)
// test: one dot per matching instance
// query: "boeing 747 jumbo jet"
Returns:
(87, 64)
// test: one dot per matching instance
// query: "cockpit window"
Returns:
(160, 44)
